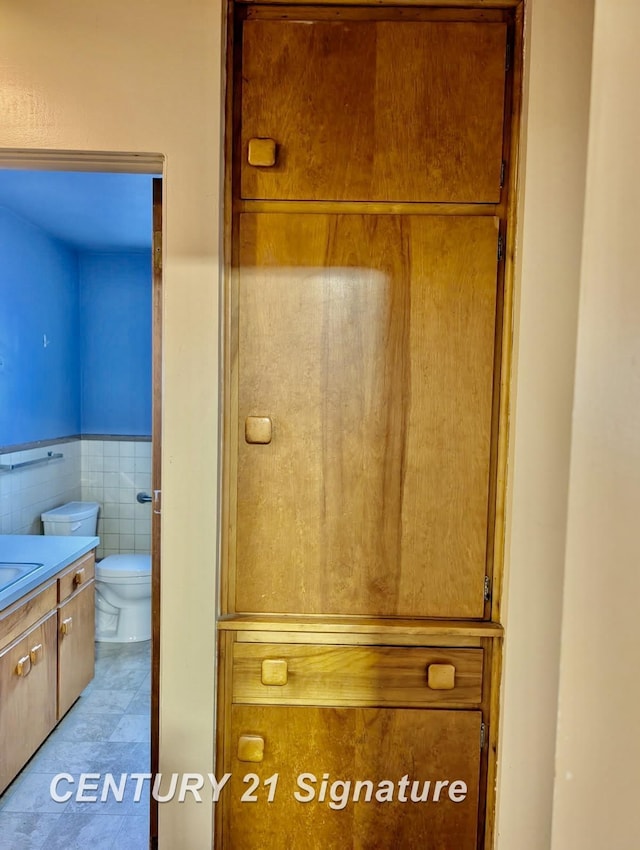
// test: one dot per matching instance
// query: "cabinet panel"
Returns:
(353, 745)
(368, 342)
(76, 652)
(27, 696)
(350, 675)
(351, 122)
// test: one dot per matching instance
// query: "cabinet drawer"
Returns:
(79, 573)
(21, 616)
(27, 696)
(356, 675)
(372, 110)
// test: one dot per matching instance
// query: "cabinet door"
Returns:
(27, 697)
(76, 652)
(366, 348)
(374, 110)
(351, 745)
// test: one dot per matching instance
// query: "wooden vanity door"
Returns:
(352, 744)
(76, 646)
(365, 386)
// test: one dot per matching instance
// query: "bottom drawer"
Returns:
(27, 696)
(361, 778)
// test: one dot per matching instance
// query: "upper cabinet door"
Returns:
(372, 110)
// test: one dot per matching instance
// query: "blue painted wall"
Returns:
(39, 386)
(115, 343)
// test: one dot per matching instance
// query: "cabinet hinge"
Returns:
(500, 247)
(503, 171)
(483, 735)
(487, 589)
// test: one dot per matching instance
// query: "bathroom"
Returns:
(75, 395)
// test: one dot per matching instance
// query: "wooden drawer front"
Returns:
(372, 110)
(79, 573)
(356, 675)
(27, 697)
(21, 616)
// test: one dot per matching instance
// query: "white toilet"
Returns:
(123, 582)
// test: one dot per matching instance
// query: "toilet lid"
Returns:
(123, 566)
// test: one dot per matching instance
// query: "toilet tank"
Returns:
(79, 519)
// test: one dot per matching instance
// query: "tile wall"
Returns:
(110, 472)
(26, 493)
(113, 473)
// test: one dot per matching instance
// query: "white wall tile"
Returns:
(113, 474)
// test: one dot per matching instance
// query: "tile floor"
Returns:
(106, 731)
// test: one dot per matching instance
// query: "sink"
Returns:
(12, 571)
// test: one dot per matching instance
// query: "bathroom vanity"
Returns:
(46, 638)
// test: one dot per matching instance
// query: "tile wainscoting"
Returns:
(26, 493)
(113, 473)
(108, 471)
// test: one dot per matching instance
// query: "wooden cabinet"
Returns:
(368, 342)
(46, 660)
(76, 635)
(414, 777)
(370, 177)
(373, 110)
(27, 696)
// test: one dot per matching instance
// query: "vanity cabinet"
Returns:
(370, 176)
(27, 695)
(46, 660)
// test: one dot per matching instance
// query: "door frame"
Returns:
(152, 164)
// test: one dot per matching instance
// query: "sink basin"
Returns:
(12, 571)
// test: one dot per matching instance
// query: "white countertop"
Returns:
(53, 552)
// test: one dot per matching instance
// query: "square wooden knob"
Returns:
(257, 430)
(250, 748)
(262, 152)
(441, 677)
(274, 671)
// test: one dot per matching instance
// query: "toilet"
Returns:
(123, 582)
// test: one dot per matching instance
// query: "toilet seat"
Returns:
(118, 567)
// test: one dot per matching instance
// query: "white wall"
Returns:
(555, 125)
(144, 76)
(598, 759)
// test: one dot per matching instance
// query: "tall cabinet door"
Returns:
(365, 387)
(324, 778)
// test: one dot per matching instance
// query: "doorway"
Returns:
(148, 166)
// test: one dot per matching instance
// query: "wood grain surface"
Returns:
(351, 744)
(369, 343)
(356, 675)
(27, 704)
(351, 122)
(76, 650)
